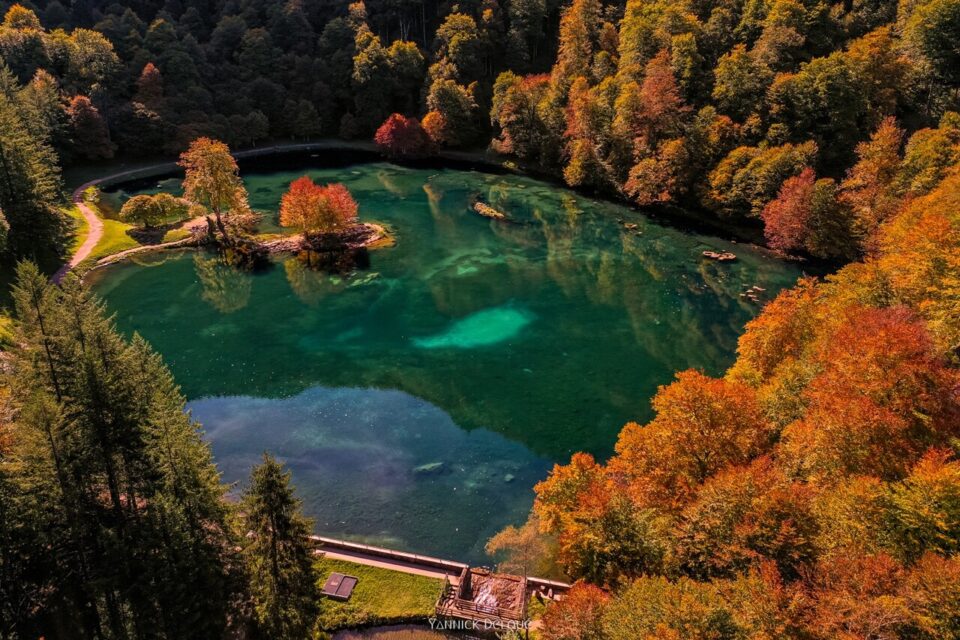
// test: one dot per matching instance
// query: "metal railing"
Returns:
(381, 552)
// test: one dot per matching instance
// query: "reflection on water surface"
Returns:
(494, 349)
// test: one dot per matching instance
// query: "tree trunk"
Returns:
(222, 227)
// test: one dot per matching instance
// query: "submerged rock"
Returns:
(480, 329)
(489, 212)
(430, 469)
(725, 256)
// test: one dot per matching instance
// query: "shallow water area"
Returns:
(418, 401)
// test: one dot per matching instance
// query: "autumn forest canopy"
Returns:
(810, 492)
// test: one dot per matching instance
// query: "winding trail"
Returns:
(94, 230)
(95, 224)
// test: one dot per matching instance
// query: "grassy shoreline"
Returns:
(382, 596)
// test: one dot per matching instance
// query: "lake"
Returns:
(418, 401)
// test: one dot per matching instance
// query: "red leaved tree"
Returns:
(149, 87)
(403, 137)
(882, 396)
(91, 138)
(663, 107)
(786, 217)
(317, 208)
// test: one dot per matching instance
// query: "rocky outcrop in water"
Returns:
(358, 236)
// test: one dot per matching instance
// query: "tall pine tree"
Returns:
(115, 477)
(29, 186)
(282, 579)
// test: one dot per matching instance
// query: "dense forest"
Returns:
(813, 491)
(816, 118)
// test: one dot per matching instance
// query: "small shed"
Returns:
(339, 586)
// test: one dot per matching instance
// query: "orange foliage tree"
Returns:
(562, 492)
(213, 179)
(601, 535)
(779, 336)
(869, 186)
(856, 596)
(317, 209)
(149, 87)
(578, 616)
(881, 398)
(435, 125)
(744, 516)
(662, 106)
(917, 259)
(585, 165)
(702, 425)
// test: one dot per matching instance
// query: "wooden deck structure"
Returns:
(493, 600)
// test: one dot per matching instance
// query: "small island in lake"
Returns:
(215, 211)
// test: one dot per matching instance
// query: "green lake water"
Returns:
(418, 401)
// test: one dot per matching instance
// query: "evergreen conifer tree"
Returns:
(29, 187)
(282, 579)
(125, 493)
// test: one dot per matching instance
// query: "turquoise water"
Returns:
(418, 401)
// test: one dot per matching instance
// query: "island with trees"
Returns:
(214, 211)
(810, 491)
